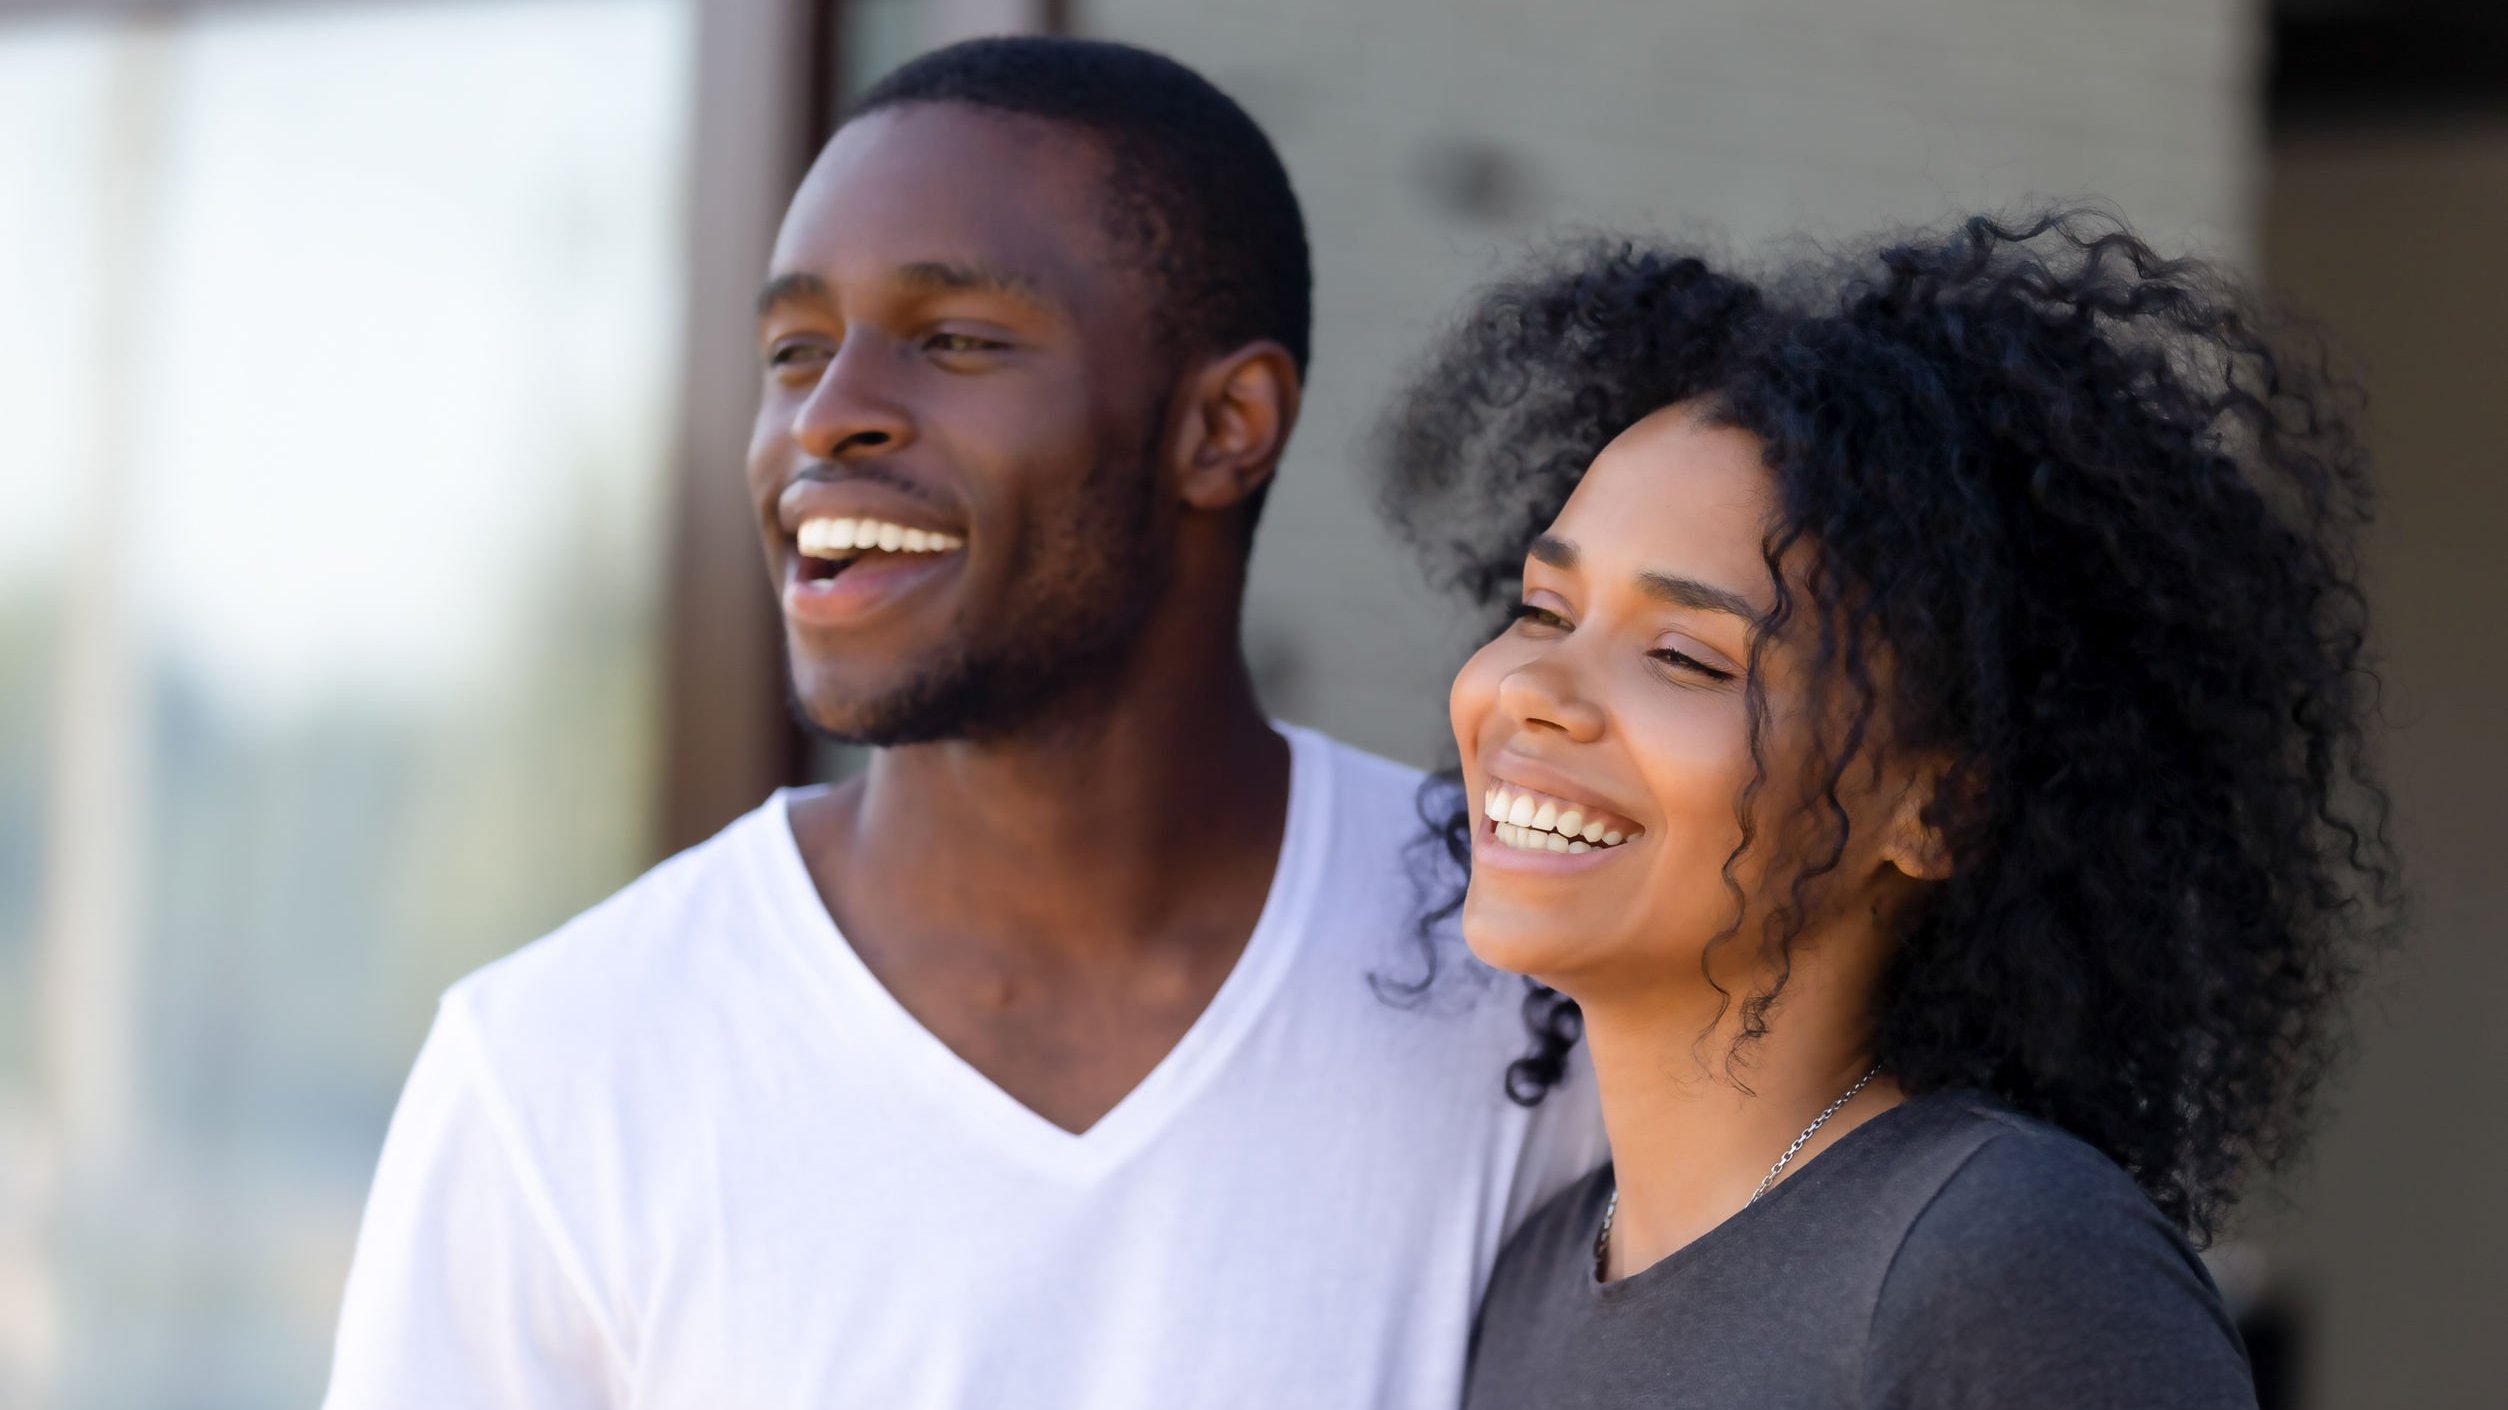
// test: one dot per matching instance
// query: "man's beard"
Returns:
(1101, 576)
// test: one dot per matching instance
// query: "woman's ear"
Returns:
(1237, 416)
(1915, 842)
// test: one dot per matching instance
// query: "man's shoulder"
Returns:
(1358, 772)
(632, 957)
(1370, 793)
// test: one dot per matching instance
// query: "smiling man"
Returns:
(1041, 1065)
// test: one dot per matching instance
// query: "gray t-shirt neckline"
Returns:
(1947, 1254)
(1839, 1161)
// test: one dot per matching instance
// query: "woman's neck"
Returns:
(1688, 1145)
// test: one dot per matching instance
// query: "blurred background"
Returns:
(377, 589)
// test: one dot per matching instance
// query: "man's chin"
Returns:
(876, 722)
(916, 708)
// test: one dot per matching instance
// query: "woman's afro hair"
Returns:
(2104, 534)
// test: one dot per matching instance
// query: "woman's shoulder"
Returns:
(2037, 1251)
(2023, 1194)
(2014, 1161)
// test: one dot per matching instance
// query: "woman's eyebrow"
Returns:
(1561, 554)
(1659, 585)
(1555, 551)
(1705, 597)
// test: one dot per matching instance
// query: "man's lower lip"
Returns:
(863, 590)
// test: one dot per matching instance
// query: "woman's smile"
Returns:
(1606, 723)
(1518, 817)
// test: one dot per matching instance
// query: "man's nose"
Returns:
(855, 410)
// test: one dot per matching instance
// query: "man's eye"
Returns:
(959, 343)
(786, 354)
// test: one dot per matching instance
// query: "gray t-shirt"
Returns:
(1946, 1253)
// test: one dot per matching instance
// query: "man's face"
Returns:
(961, 372)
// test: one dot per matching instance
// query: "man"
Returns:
(1041, 1066)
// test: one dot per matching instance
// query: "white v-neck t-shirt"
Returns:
(686, 1153)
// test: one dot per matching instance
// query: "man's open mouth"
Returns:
(830, 546)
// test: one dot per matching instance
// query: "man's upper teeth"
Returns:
(831, 538)
(1541, 823)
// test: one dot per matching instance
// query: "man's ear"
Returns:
(1235, 421)
(1916, 844)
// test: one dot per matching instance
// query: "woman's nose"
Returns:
(1543, 694)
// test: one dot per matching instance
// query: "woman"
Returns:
(1925, 763)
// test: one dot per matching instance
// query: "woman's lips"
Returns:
(1531, 819)
(1526, 830)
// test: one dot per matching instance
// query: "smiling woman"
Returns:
(1966, 637)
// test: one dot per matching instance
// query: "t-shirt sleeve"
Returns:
(464, 1290)
(2047, 1280)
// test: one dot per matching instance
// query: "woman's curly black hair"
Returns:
(2104, 533)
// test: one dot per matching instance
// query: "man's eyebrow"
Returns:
(1555, 551)
(789, 288)
(957, 277)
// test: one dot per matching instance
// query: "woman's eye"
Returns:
(1537, 616)
(1682, 660)
(785, 355)
(959, 343)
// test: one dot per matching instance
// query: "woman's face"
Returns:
(1613, 709)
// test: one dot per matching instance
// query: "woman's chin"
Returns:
(1514, 939)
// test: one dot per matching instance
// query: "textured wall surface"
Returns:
(1430, 139)
(2396, 1227)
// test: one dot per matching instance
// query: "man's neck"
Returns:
(1059, 908)
(1088, 829)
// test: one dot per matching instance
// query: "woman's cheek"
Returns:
(1692, 747)
(1469, 703)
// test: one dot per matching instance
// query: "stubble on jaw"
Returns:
(1101, 575)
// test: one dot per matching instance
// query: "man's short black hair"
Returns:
(1195, 187)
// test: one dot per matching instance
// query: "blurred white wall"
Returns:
(1429, 139)
(338, 374)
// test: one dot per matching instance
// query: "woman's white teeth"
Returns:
(835, 538)
(1527, 820)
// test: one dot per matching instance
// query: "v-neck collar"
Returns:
(856, 998)
(1872, 1139)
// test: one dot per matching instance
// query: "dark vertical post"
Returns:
(727, 738)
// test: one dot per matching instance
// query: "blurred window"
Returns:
(339, 391)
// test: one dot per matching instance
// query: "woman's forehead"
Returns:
(1674, 484)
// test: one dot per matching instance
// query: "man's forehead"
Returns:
(926, 276)
(946, 185)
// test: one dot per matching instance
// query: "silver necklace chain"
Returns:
(1602, 1240)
